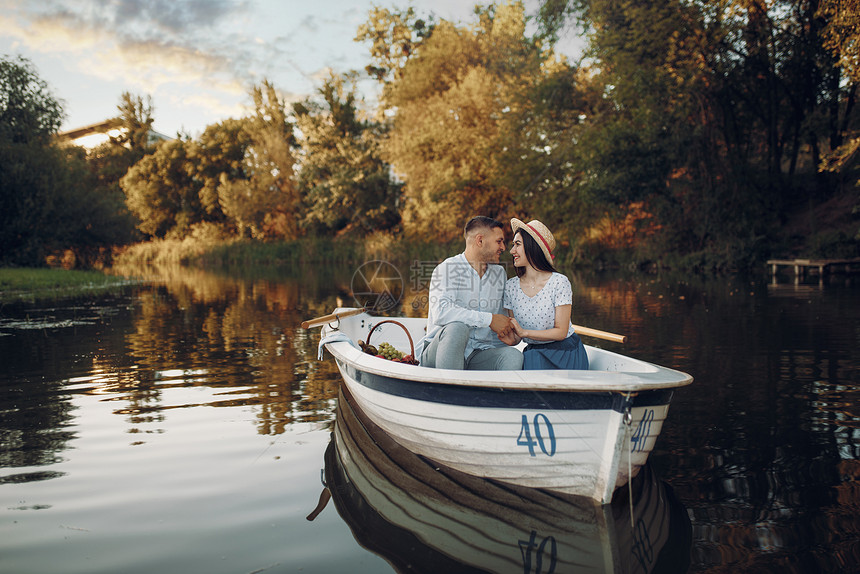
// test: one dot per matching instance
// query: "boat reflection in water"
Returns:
(423, 518)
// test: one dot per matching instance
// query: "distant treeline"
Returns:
(688, 133)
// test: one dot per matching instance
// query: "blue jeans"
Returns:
(447, 350)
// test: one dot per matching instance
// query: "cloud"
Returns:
(145, 43)
(309, 24)
(169, 16)
(53, 32)
(213, 105)
(170, 49)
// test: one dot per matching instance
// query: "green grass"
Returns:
(28, 284)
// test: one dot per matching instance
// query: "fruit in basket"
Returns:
(369, 349)
(389, 352)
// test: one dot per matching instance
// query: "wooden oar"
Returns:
(580, 330)
(328, 318)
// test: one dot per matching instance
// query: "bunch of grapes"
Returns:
(386, 351)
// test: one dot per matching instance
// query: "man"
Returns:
(465, 321)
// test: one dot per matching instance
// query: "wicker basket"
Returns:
(405, 330)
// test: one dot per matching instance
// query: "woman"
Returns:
(540, 300)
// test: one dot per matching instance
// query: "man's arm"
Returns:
(442, 302)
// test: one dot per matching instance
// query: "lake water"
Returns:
(186, 425)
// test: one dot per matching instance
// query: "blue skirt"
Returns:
(565, 354)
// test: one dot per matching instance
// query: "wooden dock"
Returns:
(822, 266)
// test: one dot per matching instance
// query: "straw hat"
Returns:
(539, 232)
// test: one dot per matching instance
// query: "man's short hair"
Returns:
(480, 222)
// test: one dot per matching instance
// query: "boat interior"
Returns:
(393, 330)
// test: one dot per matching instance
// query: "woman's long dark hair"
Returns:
(534, 254)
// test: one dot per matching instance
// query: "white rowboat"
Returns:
(584, 433)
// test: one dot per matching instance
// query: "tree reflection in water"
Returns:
(762, 449)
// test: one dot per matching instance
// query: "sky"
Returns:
(197, 59)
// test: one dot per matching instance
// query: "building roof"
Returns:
(103, 128)
(96, 128)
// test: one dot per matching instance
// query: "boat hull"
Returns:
(583, 433)
(580, 443)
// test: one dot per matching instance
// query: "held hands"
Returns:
(517, 328)
(500, 324)
(503, 327)
(510, 339)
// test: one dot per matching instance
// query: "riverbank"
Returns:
(239, 253)
(18, 284)
(828, 230)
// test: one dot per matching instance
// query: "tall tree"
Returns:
(265, 204)
(453, 100)
(634, 153)
(134, 121)
(842, 38)
(29, 112)
(345, 185)
(111, 160)
(842, 33)
(238, 174)
(49, 198)
(162, 193)
(394, 36)
(219, 155)
(542, 159)
(88, 218)
(715, 109)
(29, 115)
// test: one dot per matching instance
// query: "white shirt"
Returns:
(457, 293)
(538, 313)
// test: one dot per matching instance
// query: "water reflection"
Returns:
(763, 449)
(422, 518)
(236, 342)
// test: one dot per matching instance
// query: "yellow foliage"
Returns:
(455, 104)
(625, 232)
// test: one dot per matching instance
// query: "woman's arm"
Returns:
(556, 333)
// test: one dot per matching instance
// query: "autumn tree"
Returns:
(635, 153)
(394, 36)
(842, 38)
(237, 176)
(454, 101)
(720, 113)
(345, 185)
(218, 156)
(264, 203)
(162, 193)
(174, 189)
(134, 122)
